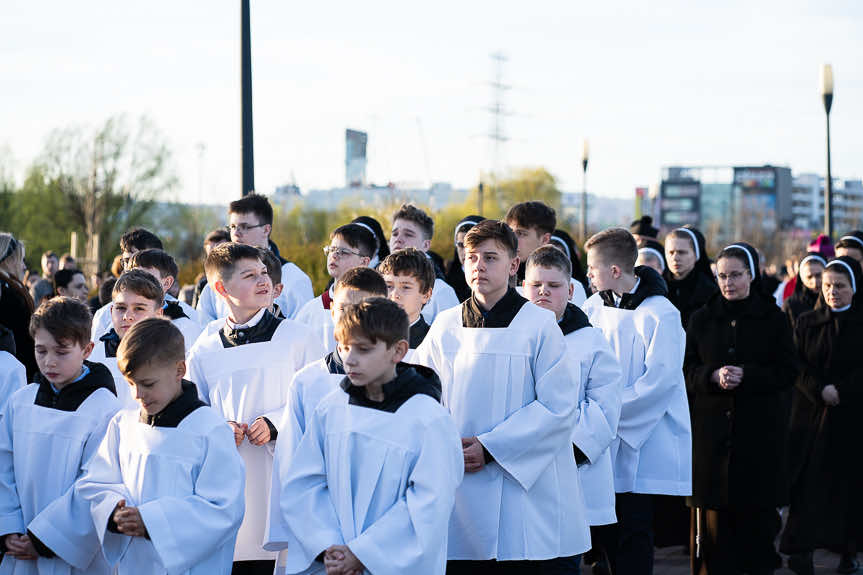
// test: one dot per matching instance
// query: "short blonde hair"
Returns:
(150, 340)
(615, 246)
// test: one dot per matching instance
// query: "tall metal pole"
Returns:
(582, 229)
(480, 198)
(827, 96)
(246, 81)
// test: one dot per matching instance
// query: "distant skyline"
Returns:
(650, 84)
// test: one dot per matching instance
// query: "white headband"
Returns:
(563, 243)
(850, 273)
(369, 228)
(694, 241)
(654, 252)
(748, 256)
(460, 226)
(853, 239)
(814, 257)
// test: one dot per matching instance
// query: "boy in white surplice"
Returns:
(513, 395)
(244, 371)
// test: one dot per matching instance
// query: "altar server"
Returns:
(513, 395)
(351, 245)
(410, 278)
(546, 284)
(48, 431)
(371, 485)
(653, 450)
(250, 223)
(165, 488)
(244, 371)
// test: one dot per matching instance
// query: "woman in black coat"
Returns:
(739, 367)
(827, 410)
(690, 282)
(807, 288)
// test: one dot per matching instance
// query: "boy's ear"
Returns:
(400, 350)
(366, 260)
(277, 290)
(167, 282)
(427, 296)
(159, 311)
(513, 266)
(181, 369)
(219, 286)
(88, 349)
(544, 238)
(426, 245)
(571, 290)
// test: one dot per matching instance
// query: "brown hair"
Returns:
(66, 319)
(155, 259)
(217, 236)
(363, 279)
(273, 263)
(223, 257)
(616, 246)
(375, 318)
(142, 283)
(411, 262)
(253, 204)
(358, 237)
(138, 239)
(411, 213)
(150, 340)
(548, 256)
(492, 230)
(533, 215)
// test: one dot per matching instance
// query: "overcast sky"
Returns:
(648, 83)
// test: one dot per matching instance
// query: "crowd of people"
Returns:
(510, 410)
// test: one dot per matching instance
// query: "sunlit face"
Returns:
(77, 288)
(602, 276)
(407, 234)
(248, 229)
(249, 288)
(836, 288)
(549, 288)
(488, 267)
(128, 308)
(343, 257)
(367, 362)
(59, 361)
(528, 239)
(343, 297)
(810, 273)
(404, 289)
(734, 278)
(459, 246)
(680, 256)
(850, 252)
(50, 265)
(155, 385)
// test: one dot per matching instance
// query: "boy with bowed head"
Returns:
(546, 284)
(652, 452)
(513, 394)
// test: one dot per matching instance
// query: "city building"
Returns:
(807, 203)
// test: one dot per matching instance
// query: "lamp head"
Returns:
(827, 80)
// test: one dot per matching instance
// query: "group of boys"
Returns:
(382, 427)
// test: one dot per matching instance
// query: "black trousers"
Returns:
(265, 567)
(628, 544)
(738, 540)
(558, 566)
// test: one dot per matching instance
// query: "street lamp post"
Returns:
(246, 90)
(585, 154)
(827, 96)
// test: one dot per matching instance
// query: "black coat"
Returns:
(739, 436)
(826, 454)
(690, 293)
(799, 302)
(15, 313)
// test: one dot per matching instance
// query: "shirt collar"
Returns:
(617, 298)
(251, 323)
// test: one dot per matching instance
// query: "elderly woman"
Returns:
(739, 367)
(825, 424)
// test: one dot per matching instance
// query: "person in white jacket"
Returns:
(546, 284)
(652, 453)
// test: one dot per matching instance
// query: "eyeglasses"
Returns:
(340, 252)
(733, 276)
(243, 228)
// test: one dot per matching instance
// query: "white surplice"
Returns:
(244, 383)
(442, 297)
(320, 321)
(42, 452)
(296, 291)
(514, 389)
(125, 393)
(13, 376)
(381, 483)
(596, 419)
(653, 449)
(187, 483)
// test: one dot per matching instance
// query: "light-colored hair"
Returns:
(150, 340)
(11, 256)
(548, 256)
(374, 318)
(615, 246)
